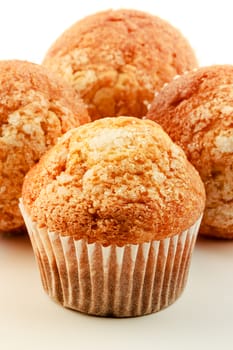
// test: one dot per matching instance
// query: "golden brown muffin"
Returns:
(196, 110)
(116, 60)
(35, 109)
(115, 181)
(113, 212)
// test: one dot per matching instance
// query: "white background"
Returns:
(203, 317)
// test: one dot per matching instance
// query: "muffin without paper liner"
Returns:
(35, 109)
(196, 110)
(116, 59)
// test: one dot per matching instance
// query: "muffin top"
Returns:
(196, 110)
(116, 60)
(35, 109)
(114, 181)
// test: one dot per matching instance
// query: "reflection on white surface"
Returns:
(201, 318)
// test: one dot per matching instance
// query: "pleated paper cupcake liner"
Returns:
(126, 281)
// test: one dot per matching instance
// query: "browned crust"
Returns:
(196, 110)
(116, 60)
(115, 181)
(19, 77)
(36, 108)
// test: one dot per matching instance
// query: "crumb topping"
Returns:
(117, 59)
(197, 112)
(116, 180)
(35, 109)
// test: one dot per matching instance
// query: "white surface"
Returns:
(203, 317)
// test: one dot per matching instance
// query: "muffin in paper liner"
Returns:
(113, 211)
(126, 281)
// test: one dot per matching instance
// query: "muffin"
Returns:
(113, 211)
(35, 109)
(196, 110)
(116, 60)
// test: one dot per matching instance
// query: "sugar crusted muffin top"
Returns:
(196, 110)
(35, 109)
(114, 181)
(116, 59)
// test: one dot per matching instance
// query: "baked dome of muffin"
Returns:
(196, 110)
(114, 181)
(35, 109)
(116, 60)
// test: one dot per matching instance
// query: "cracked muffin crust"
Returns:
(116, 60)
(35, 109)
(196, 110)
(114, 181)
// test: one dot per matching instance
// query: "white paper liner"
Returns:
(113, 281)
